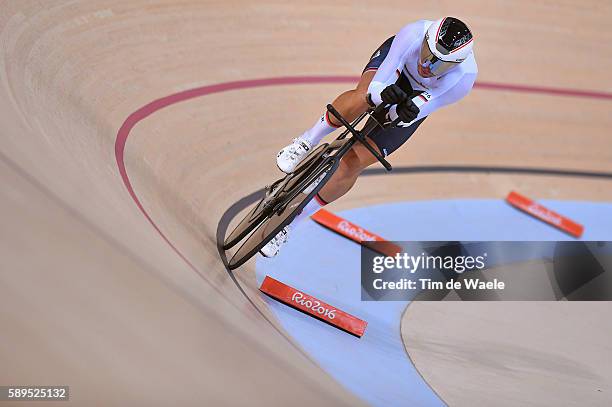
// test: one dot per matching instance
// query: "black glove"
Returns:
(393, 95)
(407, 111)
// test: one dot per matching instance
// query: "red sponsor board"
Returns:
(312, 306)
(540, 212)
(354, 232)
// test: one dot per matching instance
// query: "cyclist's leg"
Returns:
(359, 158)
(350, 104)
(354, 161)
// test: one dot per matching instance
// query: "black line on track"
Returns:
(489, 170)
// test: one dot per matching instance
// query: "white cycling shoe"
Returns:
(289, 157)
(272, 248)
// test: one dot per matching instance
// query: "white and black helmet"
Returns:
(447, 43)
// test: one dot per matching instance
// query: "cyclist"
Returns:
(427, 65)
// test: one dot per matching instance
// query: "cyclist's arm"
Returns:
(430, 102)
(386, 73)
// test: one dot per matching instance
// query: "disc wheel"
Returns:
(252, 219)
(269, 227)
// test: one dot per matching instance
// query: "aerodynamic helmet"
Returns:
(447, 43)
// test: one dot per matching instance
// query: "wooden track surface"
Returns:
(92, 296)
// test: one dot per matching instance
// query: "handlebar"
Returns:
(385, 109)
(357, 134)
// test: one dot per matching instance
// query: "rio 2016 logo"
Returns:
(315, 305)
(355, 232)
(545, 214)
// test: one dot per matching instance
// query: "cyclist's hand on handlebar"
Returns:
(407, 111)
(393, 95)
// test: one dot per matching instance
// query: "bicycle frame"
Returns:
(283, 194)
(342, 146)
(358, 134)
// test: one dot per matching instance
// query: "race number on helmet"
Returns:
(447, 43)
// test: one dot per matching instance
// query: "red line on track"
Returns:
(544, 90)
(152, 107)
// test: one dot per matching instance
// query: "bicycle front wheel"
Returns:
(280, 218)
